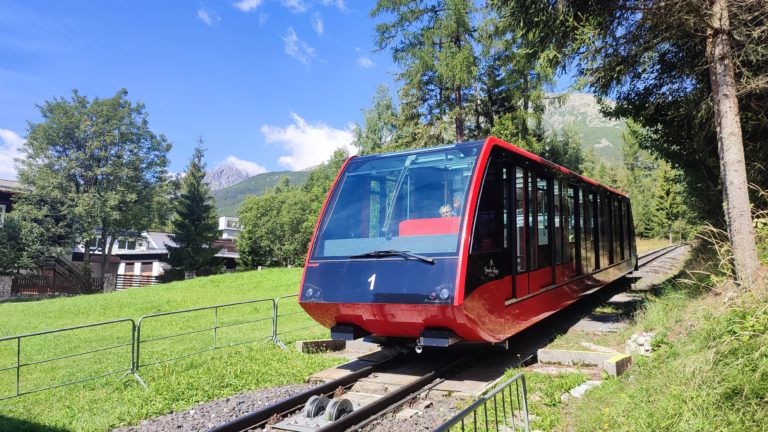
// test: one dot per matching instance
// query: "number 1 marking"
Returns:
(372, 280)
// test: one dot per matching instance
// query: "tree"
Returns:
(20, 246)
(433, 41)
(92, 173)
(379, 123)
(194, 225)
(278, 226)
(693, 73)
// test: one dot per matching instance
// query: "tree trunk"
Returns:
(730, 145)
(459, 116)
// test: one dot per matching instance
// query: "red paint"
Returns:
(469, 220)
(430, 226)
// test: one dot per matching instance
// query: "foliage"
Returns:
(433, 42)
(109, 403)
(194, 226)
(94, 171)
(21, 246)
(380, 123)
(709, 368)
(278, 226)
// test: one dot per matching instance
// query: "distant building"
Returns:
(146, 254)
(230, 227)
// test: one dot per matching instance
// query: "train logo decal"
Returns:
(491, 270)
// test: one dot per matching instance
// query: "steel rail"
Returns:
(656, 254)
(294, 403)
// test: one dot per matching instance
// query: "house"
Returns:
(144, 256)
(8, 189)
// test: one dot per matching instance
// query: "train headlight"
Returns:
(312, 292)
(444, 294)
(441, 294)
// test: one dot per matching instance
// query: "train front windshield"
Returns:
(413, 202)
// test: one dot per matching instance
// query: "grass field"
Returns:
(106, 403)
(645, 245)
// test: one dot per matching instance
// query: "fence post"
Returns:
(18, 363)
(134, 370)
(276, 309)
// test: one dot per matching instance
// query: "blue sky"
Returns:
(275, 84)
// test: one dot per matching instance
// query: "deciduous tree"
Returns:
(93, 172)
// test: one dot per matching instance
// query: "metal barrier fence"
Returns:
(222, 326)
(39, 368)
(153, 339)
(292, 309)
(499, 410)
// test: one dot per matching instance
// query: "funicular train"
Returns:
(473, 241)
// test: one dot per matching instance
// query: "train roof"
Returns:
(496, 141)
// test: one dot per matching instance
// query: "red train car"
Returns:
(473, 241)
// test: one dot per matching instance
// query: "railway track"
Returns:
(338, 405)
(654, 255)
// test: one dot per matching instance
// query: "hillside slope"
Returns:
(582, 110)
(228, 199)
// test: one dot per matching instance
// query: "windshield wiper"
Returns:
(389, 253)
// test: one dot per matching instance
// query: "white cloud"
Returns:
(204, 16)
(247, 5)
(295, 6)
(308, 144)
(365, 62)
(9, 150)
(248, 167)
(317, 23)
(338, 3)
(297, 48)
(263, 18)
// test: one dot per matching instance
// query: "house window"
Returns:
(126, 244)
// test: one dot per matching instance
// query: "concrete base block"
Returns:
(315, 346)
(573, 358)
(617, 364)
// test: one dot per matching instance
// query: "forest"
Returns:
(678, 72)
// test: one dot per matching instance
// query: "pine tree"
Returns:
(194, 225)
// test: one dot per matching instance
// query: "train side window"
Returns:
(521, 219)
(569, 227)
(620, 228)
(489, 220)
(558, 226)
(577, 229)
(544, 220)
(628, 230)
(591, 245)
(605, 231)
(531, 223)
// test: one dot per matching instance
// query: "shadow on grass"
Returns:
(10, 424)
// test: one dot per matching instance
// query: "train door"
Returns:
(490, 259)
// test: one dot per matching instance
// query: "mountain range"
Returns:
(229, 199)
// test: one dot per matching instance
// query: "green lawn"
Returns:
(105, 403)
